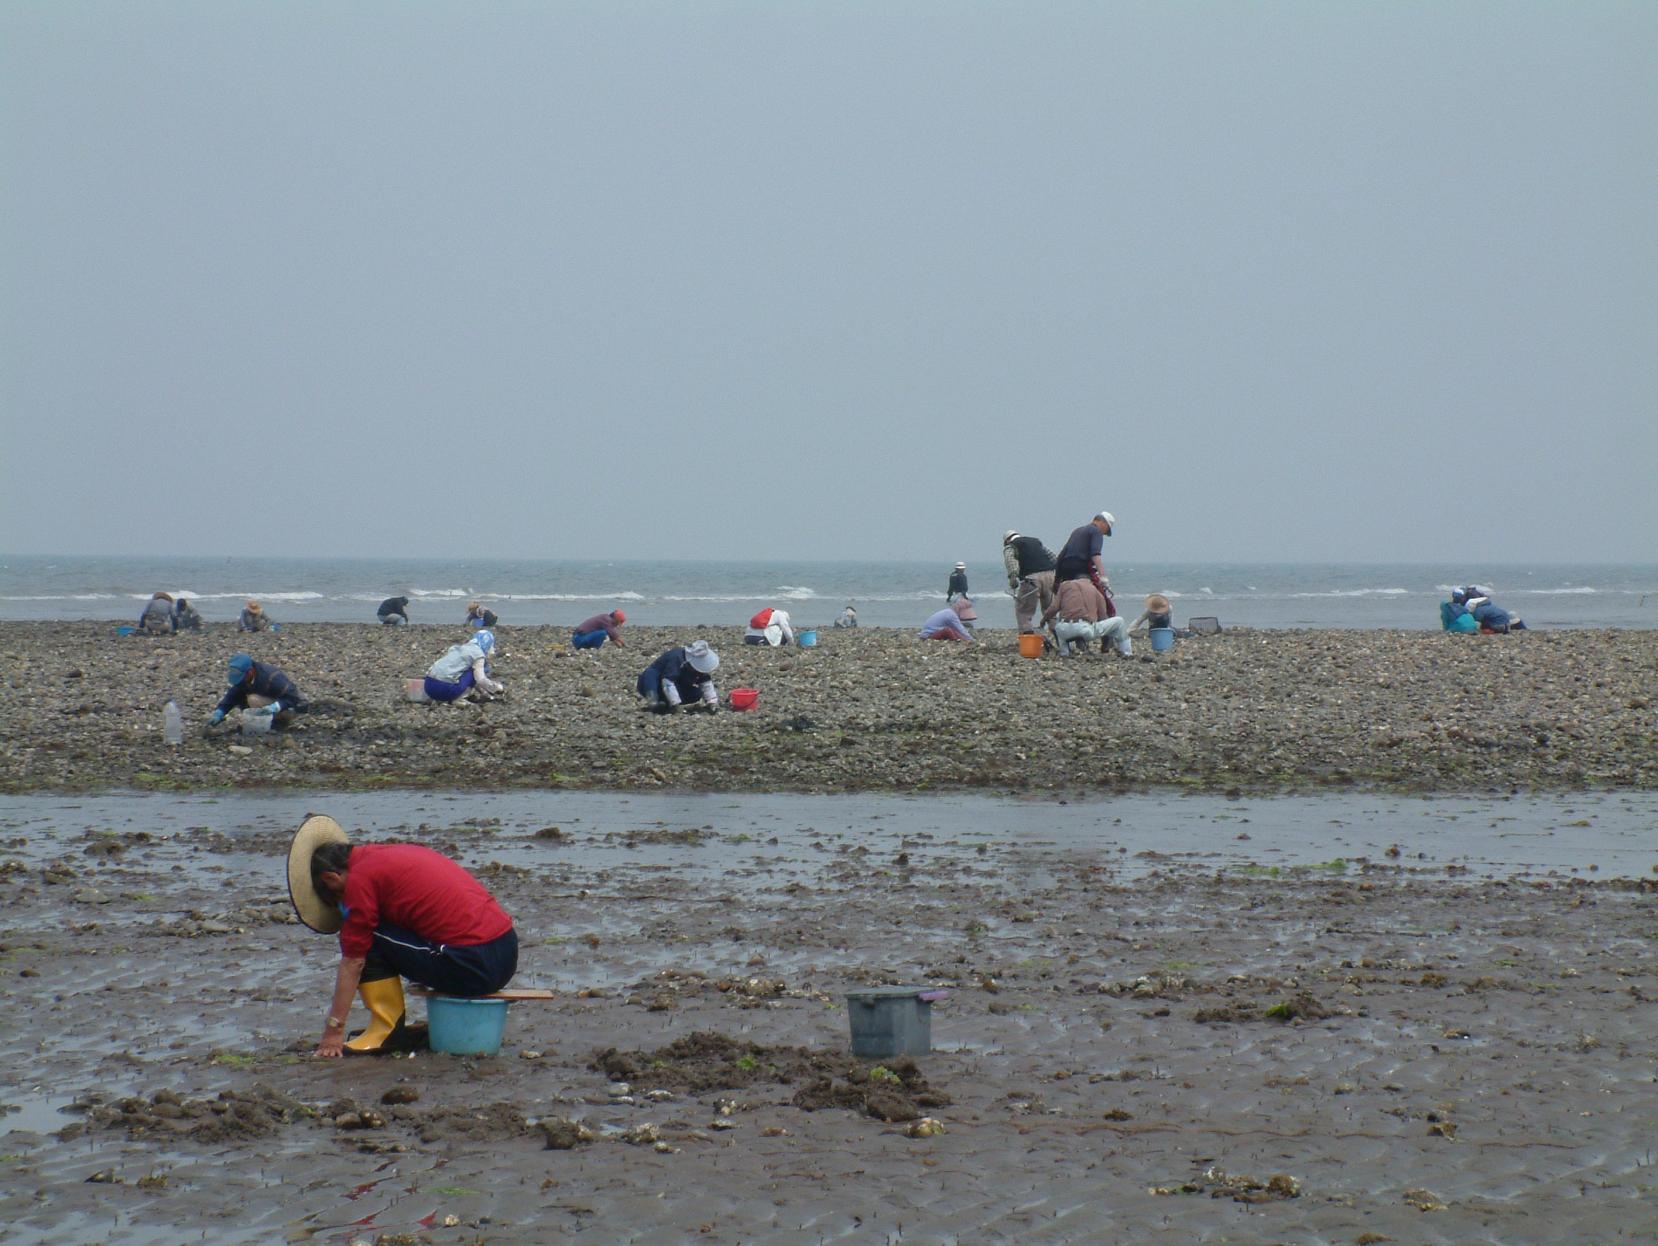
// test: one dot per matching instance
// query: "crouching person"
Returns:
(402, 911)
(680, 676)
(1079, 615)
(463, 669)
(258, 689)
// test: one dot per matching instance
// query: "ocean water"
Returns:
(887, 594)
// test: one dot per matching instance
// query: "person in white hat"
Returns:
(1030, 576)
(681, 675)
(958, 583)
(1082, 557)
(401, 911)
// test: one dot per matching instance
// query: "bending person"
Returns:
(946, 624)
(1078, 616)
(592, 633)
(393, 611)
(462, 669)
(259, 689)
(158, 618)
(769, 627)
(408, 912)
(681, 675)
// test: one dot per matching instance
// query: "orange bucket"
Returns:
(1030, 645)
(744, 698)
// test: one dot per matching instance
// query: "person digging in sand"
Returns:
(401, 911)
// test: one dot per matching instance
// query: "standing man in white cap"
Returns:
(958, 583)
(1082, 557)
(1030, 576)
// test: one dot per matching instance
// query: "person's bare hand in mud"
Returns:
(332, 1046)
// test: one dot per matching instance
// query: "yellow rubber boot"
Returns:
(384, 1000)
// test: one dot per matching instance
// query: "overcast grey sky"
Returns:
(1271, 281)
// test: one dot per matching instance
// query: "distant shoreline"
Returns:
(873, 709)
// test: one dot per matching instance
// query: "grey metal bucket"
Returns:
(892, 1020)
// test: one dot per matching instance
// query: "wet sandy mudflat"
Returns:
(1314, 1019)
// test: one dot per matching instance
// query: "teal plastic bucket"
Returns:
(1162, 639)
(806, 639)
(466, 1027)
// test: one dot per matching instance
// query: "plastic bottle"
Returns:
(172, 724)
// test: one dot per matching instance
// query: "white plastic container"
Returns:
(172, 724)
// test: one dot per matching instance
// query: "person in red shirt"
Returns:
(402, 911)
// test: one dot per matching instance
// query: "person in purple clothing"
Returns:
(600, 628)
(947, 623)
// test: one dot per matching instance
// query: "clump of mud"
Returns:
(1302, 1006)
(892, 1091)
(233, 1116)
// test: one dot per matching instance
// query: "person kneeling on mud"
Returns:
(681, 675)
(1079, 615)
(402, 911)
(463, 669)
(258, 689)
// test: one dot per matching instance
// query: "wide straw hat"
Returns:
(319, 914)
(1158, 603)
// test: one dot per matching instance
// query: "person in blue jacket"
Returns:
(681, 675)
(1488, 614)
(259, 689)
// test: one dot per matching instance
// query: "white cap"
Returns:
(961, 566)
(1110, 520)
(702, 658)
(1009, 535)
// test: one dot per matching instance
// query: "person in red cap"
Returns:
(601, 627)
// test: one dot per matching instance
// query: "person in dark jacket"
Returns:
(681, 675)
(1083, 556)
(259, 689)
(393, 610)
(1030, 576)
(186, 618)
(958, 583)
(1488, 614)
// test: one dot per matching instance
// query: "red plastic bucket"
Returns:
(744, 698)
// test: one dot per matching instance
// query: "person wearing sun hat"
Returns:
(258, 689)
(681, 674)
(958, 583)
(1157, 613)
(592, 633)
(254, 618)
(401, 911)
(462, 669)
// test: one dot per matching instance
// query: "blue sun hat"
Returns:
(484, 639)
(240, 665)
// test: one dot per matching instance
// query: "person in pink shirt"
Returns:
(592, 633)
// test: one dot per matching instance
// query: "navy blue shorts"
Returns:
(465, 971)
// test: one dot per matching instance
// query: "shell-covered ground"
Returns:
(873, 709)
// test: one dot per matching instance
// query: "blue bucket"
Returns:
(1162, 639)
(466, 1027)
(806, 639)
